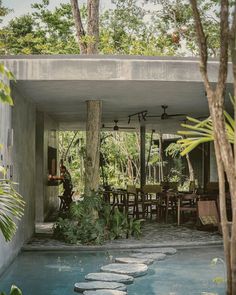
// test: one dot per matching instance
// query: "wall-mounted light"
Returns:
(10, 136)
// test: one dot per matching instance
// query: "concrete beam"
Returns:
(101, 68)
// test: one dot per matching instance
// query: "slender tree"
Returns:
(88, 43)
(223, 149)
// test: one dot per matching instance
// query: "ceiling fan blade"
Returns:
(127, 128)
(177, 115)
(153, 116)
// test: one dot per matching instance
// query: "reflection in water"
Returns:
(187, 272)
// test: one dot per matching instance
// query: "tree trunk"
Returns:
(92, 175)
(233, 228)
(226, 160)
(160, 159)
(190, 169)
(80, 33)
(223, 217)
(93, 26)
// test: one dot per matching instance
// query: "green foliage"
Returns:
(5, 91)
(127, 28)
(202, 131)
(92, 221)
(119, 157)
(173, 149)
(14, 291)
(3, 11)
(219, 280)
(176, 19)
(12, 206)
(11, 203)
(176, 172)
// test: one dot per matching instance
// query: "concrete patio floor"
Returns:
(153, 235)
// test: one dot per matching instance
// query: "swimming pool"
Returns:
(54, 273)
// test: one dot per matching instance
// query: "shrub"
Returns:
(92, 221)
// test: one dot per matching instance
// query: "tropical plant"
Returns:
(11, 203)
(82, 228)
(14, 291)
(174, 150)
(202, 131)
(11, 207)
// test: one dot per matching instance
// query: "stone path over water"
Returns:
(113, 277)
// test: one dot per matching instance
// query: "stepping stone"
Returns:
(134, 260)
(105, 292)
(153, 256)
(170, 251)
(109, 277)
(131, 269)
(97, 285)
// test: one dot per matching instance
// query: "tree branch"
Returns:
(232, 35)
(80, 32)
(224, 37)
(202, 43)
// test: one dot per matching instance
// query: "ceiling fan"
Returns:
(164, 115)
(116, 127)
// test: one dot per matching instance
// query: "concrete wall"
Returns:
(22, 157)
(46, 196)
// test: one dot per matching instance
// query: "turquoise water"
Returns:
(189, 272)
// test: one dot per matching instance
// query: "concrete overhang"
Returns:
(60, 86)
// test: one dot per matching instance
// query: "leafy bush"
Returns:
(14, 291)
(92, 221)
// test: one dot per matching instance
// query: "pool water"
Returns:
(188, 272)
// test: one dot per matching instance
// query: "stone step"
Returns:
(134, 260)
(97, 285)
(153, 256)
(169, 251)
(105, 292)
(131, 269)
(109, 277)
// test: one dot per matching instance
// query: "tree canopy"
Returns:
(131, 27)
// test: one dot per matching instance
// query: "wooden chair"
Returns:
(192, 187)
(131, 206)
(168, 204)
(186, 203)
(150, 200)
(119, 199)
(173, 186)
(65, 202)
(208, 213)
(107, 196)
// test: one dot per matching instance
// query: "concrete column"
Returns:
(142, 156)
(92, 173)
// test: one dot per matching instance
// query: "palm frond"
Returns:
(11, 208)
(202, 131)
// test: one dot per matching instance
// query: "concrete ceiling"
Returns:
(60, 88)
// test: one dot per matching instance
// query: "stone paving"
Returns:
(109, 287)
(127, 269)
(154, 235)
